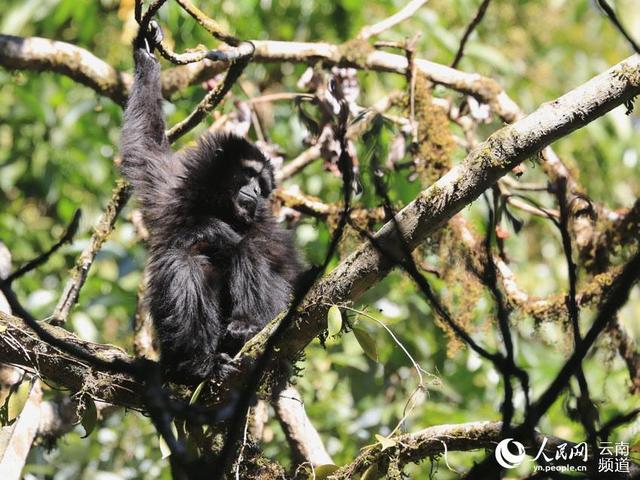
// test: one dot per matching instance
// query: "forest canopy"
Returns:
(462, 181)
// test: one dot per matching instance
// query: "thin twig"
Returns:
(272, 97)
(470, 28)
(67, 237)
(227, 55)
(241, 452)
(407, 11)
(214, 97)
(614, 19)
(78, 276)
(413, 400)
(210, 25)
(299, 163)
(525, 207)
(585, 405)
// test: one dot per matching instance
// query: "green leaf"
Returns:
(334, 320)
(367, 343)
(197, 392)
(164, 448)
(323, 471)
(371, 473)
(385, 442)
(89, 417)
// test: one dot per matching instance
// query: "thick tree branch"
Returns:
(19, 345)
(41, 54)
(303, 438)
(415, 447)
(44, 55)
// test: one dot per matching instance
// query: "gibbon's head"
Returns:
(229, 178)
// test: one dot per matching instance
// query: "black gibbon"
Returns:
(219, 265)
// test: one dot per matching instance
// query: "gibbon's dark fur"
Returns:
(219, 265)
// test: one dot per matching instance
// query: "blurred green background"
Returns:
(58, 140)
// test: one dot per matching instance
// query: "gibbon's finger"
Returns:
(155, 32)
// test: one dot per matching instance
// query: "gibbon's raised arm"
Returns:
(146, 156)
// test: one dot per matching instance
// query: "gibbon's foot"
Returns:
(224, 366)
(241, 329)
(237, 334)
(216, 367)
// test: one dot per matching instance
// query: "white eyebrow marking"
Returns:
(254, 165)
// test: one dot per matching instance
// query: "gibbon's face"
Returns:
(253, 182)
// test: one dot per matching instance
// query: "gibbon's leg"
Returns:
(258, 296)
(186, 313)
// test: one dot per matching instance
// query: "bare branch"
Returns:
(469, 30)
(210, 25)
(302, 436)
(298, 164)
(41, 54)
(47, 55)
(318, 209)
(41, 259)
(227, 55)
(485, 89)
(69, 297)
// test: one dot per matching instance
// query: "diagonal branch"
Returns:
(469, 30)
(491, 160)
(20, 346)
(69, 297)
